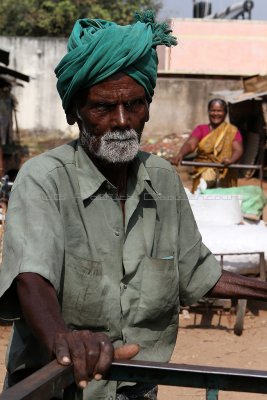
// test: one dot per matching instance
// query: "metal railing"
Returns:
(262, 266)
(49, 380)
(220, 165)
(258, 167)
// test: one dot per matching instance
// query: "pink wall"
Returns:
(223, 47)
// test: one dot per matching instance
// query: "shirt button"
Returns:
(124, 286)
(117, 233)
(110, 398)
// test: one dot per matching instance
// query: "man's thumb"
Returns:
(126, 352)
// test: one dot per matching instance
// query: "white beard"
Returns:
(120, 146)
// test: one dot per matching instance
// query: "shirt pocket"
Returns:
(83, 290)
(159, 294)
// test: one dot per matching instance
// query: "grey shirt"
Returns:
(127, 279)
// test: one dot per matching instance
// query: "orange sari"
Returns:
(214, 148)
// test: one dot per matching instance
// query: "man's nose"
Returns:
(120, 118)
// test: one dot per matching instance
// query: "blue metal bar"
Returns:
(212, 394)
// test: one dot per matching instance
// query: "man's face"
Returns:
(111, 117)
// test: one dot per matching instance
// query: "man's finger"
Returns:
(62, 351)
(126, 352)
(106, 356)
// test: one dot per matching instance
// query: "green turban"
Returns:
(98, 49)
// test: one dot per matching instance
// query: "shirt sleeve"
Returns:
(33, 239)
(238, 137)
(198, 268)
(200, 131)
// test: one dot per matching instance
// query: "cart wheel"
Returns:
(240, 315)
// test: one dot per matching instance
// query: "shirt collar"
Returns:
(140, 175)
(90, 178)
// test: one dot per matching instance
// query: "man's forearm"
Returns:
(232, 285)
(91, 353)
(40, 308)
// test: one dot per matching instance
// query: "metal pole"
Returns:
(219, 165)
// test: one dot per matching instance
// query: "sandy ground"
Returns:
(215, 344)
(4, 337)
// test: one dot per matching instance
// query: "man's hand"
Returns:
(90, 353)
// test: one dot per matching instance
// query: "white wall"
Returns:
(39, 103)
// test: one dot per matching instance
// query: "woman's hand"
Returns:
(227, 161)
(188, 147)
(176, 160)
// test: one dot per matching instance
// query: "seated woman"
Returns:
(216, 142)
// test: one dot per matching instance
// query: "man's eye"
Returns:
(102, 107)
(134, 105)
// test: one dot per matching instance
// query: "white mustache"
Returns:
(120, 135)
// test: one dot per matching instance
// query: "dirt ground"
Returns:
(215, 344)
(4, 336)
(206, 337)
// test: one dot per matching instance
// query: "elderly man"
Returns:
(100, 243)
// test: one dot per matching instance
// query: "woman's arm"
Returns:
(237, 151)
(188, 147)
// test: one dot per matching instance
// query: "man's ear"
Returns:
(71, 112)
(71, 117)
(148, 108)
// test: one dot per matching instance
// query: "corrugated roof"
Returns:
(237, 96)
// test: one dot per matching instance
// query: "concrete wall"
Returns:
(179, 102)
(39, 104)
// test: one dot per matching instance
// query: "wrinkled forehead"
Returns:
(114, 87)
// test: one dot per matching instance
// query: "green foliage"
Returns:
(36, 17)
(56, 17)
(122, 11)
